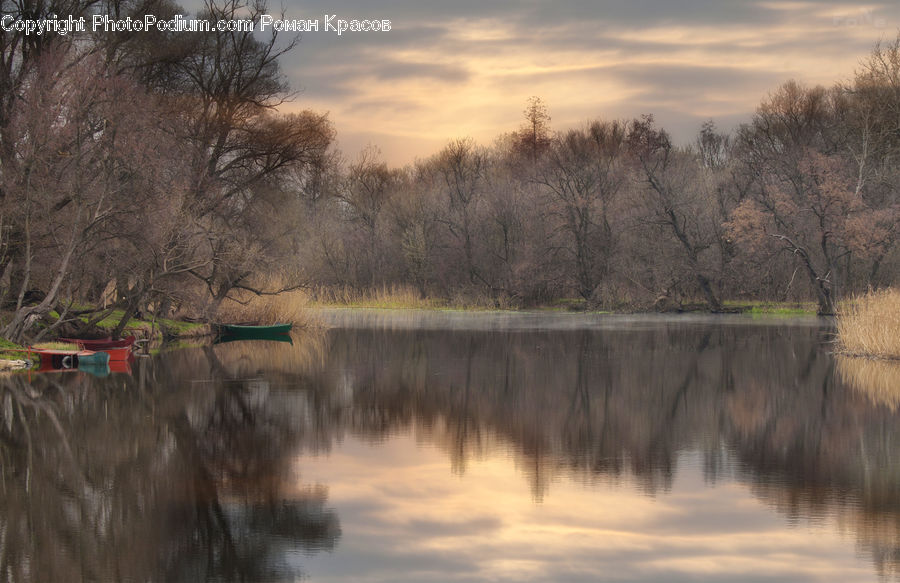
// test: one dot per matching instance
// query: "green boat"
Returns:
(223, 338)
(241, 331)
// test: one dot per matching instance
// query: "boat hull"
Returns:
(256, 332)
(100, 343)
(67, 359)
(117, 354)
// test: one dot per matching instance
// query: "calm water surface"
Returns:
(416, 447)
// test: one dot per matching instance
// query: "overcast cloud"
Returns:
(448, 70)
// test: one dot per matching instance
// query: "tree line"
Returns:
(800, 203)
(153, 172)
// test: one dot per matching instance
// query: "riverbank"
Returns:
(869, 325)
(406, 298)
(303, 310)
(12, 355)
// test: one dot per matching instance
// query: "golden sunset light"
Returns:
(443, 73)
(483, 291)
(486, 524)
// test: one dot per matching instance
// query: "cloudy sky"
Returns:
(466, 68)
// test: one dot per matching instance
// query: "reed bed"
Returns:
(249, 308)
(386, 297)
(869, 325)
(400, 297)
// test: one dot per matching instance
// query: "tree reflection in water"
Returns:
(186, 472)
(153, 478)
(761, 403)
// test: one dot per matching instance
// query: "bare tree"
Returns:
(805, 197)
(674, 197)
(460, 171)
(535, 136)
(581, 174)
(78, 161)
(817, 217)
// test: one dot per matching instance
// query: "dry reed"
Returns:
(869, 325)
(393, 296)
(250, 308)
(404, 297)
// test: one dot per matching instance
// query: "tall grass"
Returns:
(249, 308)
(869, 325)
(393, 296)
(403, 297)
(298, 306)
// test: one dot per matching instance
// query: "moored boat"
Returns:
(64, 359)
(100, 343)
(243, 331)
(117, 354)
(225, 338)
(97, 370)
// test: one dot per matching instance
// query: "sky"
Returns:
(466, 69)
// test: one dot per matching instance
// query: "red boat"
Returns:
(117, 354)
(122, 365)
(101, 343)
(65, 359)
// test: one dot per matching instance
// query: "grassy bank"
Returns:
(869, 325)
(400, 297)
(149, 328)
(11, 351)
(299, 307)
(771, 308)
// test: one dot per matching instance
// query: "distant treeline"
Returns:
(152, 172)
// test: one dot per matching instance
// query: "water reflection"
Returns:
(153, 478)
(188, 470)
(879, 379)
(756, 402)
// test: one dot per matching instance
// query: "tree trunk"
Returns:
(826, 302)
(694, 262)
(25, 316)
(706, 287)
(134, 302)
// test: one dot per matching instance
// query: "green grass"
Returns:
(174, 327)
(764, 308)
(179, 328)
(109, 322)
(56, 346)
(10, 350)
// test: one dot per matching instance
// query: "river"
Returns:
(462, 447)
